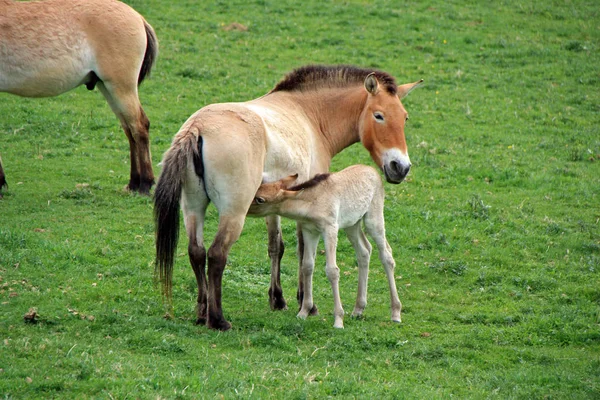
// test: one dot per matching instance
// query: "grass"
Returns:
(496, 232)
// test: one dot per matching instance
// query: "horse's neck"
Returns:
(337, 113)
(333, 114)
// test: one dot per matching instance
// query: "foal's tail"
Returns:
(151, 52)
(185, 149)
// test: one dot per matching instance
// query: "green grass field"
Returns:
(496, 232)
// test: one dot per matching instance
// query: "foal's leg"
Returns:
(311, 240)
(230, 228)
(376, 228)
(362, 248)
(300, 253)
(123, 100)
(333, 274)
(276, 248)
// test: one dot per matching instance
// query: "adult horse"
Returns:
(223, 152)
(50, 47)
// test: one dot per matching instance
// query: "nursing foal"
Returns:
(323, 205)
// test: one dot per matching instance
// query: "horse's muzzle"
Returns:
(395, 171)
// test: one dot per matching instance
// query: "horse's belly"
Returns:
(31, 71)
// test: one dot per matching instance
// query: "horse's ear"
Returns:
(371, 84)
(405, 89)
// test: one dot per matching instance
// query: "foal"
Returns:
(322, 206)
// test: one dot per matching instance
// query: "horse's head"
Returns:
(382, 128)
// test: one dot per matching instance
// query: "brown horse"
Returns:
(223, 152)
(50, 47)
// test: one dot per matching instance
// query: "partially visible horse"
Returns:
(223, 152)
(50, 47)
(324, 205)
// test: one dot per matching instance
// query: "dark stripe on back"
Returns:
(315, 76)
(310, 183)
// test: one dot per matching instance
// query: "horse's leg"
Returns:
(376, 228)
(230, 228)
(276, 249)
(194, 210)
(333, 274)
(300, 252)
(310, 241)
(362, 248)
(2, 178)
(123, 100)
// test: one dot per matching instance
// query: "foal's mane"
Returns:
(315, 76)
(309, 183)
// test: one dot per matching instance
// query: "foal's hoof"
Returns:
(314, 310)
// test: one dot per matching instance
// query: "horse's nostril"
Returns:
(395, 166)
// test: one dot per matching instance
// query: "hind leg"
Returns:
(230, 228)
(2, 178)
(123, 100)
(276, 249)
(362, 248)
(375, 227)
(194, 204)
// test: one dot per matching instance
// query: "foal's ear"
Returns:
(287, 194)
(405, 89)
(286, 182)
(371, 84)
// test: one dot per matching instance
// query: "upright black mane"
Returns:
(314, 76)
(309, 183)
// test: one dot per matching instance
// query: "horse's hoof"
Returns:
(314, 310)
(200, 321)
(221, 325)
(278, 304)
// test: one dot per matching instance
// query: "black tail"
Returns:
(151, 53)
(167, 198)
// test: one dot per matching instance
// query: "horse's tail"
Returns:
(185, 149)
(151, 52)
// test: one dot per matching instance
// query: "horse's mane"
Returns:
(314, 76)
(309, 183)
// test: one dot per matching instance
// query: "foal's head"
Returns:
(270, 195)
(382, 127)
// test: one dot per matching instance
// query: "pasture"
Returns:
(495, 232)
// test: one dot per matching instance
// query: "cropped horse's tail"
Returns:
(185, 149)
(151, 52)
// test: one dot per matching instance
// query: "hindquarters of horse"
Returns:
(233, 154)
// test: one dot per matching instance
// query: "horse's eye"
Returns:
(259, 200)
(378, 117)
